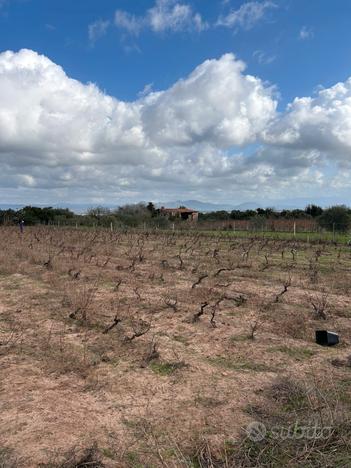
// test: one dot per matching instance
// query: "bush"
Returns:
(313, 210)
(336, 218)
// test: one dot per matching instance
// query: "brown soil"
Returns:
(65, 384)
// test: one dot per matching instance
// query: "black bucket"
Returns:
(326, 338)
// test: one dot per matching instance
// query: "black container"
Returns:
(326, 338)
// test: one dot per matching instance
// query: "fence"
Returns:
(301, 230)
(265, 225)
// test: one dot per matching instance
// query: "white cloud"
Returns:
(131, 23)
(147, 90)
(306, 33)
(322, 122)
(165, 15)
(247, 16)
(65, 134)
(214, 134)
(199, 23)
(97, 30)
(43, 108)
(50, 119)
(263, 58)
(217, 104)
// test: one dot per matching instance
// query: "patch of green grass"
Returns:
(7, 458)
(291, 396)
(239, 364)
(296, 353)
(181, 339)
(13, 285)
(108, 453)
(344, 391)
(208, 402)
(133, 460)
(166, 368)
(132, 423)
(239, 338)
(300, 236)
(107, 284)
(3, 273)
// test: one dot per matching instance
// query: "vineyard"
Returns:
(158, 349)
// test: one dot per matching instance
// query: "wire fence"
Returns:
(302, 230)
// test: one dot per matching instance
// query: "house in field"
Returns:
(183, 213)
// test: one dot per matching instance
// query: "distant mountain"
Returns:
(290, 204)
(248, 206)
(205, 207)
(197, 205)
(9, 206)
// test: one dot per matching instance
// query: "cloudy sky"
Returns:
(226, 101)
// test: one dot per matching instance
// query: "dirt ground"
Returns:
(137, 349)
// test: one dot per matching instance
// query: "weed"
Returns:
(133, 460)
(8, 458)
(239, 364)
(167, 368)
(293, 352)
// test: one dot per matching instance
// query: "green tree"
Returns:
(313, 210)
(133, 215)
(336, 218)
(151, 207)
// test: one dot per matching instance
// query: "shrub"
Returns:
(336, 218)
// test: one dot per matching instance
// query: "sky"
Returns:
(223, 101)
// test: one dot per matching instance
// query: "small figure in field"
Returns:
(21, 226)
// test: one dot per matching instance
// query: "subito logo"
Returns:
(256, 431)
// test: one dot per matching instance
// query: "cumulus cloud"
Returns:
(213, 134)
(165, 15)
(48, 118)
(43, 109)
(52, 128)
(217, 103)
(322, 122)
(247, 16)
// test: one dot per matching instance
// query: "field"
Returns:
(158, 349)
(321, 237)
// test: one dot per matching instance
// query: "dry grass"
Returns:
(312, 423)
(139, 349)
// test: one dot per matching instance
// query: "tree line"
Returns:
(335, 218)
(131, 215)
(311, 211)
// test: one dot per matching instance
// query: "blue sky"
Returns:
(123, 65)
(293, 48)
